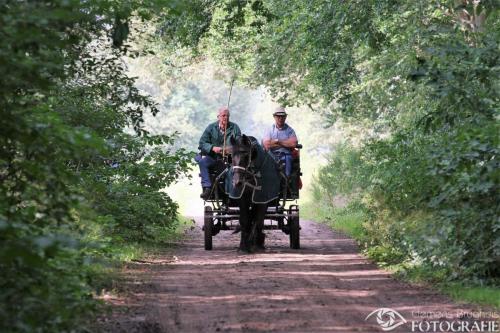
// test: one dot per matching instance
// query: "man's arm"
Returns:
(237, 131)
(205, 143)
(291, 142)
(266, 140)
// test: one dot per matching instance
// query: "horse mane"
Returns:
(246, 141)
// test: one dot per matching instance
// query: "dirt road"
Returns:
(326, 286)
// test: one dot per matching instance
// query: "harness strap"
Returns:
(246, 183)
(247, 171)
(255, 187)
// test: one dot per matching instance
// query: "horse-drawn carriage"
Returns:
(226, 211)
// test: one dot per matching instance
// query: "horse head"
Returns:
(244, 151)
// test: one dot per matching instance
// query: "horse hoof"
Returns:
(259, 248)
(245, 250)
(259, 242)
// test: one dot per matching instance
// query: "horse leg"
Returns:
(245, 225)
(259, 212)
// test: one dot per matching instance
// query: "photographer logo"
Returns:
(388, 319)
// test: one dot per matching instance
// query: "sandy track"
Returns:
(326, 286)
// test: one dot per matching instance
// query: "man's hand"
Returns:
(217, 150)
(271, 143)
(291, 142)
(266, 143)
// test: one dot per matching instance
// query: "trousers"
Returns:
(287, 159)
(205, 162)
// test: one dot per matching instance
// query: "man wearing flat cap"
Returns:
(212, 144)
(280, 139)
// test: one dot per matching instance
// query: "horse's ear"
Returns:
(246, 140)
(232, 140)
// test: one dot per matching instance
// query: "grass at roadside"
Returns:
(105, 271)
(481, 295)
(350, 219)
(465, 291)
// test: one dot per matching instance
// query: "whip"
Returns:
(225, 127)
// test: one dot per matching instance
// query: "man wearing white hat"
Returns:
(280, 139)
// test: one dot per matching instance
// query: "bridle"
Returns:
(247, 171)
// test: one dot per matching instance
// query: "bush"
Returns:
(430, 198)
(66, 101)
(43, 281)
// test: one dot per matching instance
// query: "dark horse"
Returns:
(244, 153)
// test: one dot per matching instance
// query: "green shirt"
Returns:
(213, 137)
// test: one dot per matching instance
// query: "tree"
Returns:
(66, 101)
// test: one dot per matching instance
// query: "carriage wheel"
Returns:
(294, 232)
(208, 226)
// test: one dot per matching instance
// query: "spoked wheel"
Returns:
(294, 231)
(208, 226)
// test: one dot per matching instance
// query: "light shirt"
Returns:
(281, 134)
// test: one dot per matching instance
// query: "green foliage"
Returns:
(450, 176)
(129, 188)
(43, 283)
(431, 198)
(65, 102)
(187, 111)
(341, 174)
